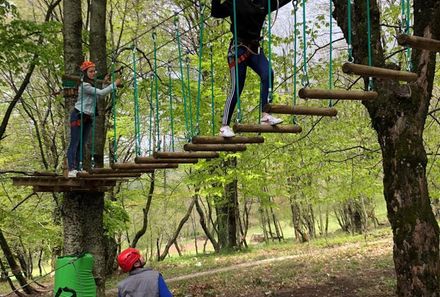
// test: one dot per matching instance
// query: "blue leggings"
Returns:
(259, 64)
(73, 152)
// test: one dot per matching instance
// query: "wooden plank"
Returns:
(143, 166)
(55, 189)
(370, 71)
(226, 140)
(301, 110)
(419, 42)
(199, 155)
(215, 147)
(117, 175)
(45, 181)
(267, 128)
(308, 93)
(152, 160)
(111, 170)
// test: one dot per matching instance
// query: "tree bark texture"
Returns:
(399, 123)
(205, 228)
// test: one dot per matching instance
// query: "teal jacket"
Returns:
(87, 94)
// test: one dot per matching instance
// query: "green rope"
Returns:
(330, 70)
(136, 106)
(202, 21)
(150, 103)
(156, 86)
(189, 99)
(81, 140)
(305, 80)
(115, 141)
(212, 93)
(405, 27)
(269, 33)
(370, 58)
(350, 47)
(237, 89)
(92, 153)
(295, 45)
(182, 77)
(170, 94)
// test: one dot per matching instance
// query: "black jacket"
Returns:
(250, 15)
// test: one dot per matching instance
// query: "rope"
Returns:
(170, 93)
(202, 21)
(370, 58)
(212, 92)
(295, 41)
(150, 104)
(330, 70)
(115, 141)
(305, 79)
(189, 99)
(81, 140)
(92, 153)
(350, 47)
(182, 77)
(156, 91)
(237, 89)
(405, 27)
(136, 106)
(269, 33)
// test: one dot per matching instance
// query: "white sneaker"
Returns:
(72, 173)
(226, 131)
(268, 119)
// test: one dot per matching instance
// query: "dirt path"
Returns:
(324, 252)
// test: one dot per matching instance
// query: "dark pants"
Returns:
(257, 62)
(73, 153)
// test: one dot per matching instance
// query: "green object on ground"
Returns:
(73, 276)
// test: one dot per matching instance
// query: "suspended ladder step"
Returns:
(87, 175)
(307, 93)
(151, 160)
(370, 71)
(418, 42)
(185, 155)
(226, 140)
(96, 171)
(301, 110)
(129, 166)
(215, 147)
(267, 128)
(60, 183)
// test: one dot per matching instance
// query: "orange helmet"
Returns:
(127, 258)
(86, 65)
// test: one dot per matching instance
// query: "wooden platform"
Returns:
(96, 171)
(419, 42)
(152, 160)
(267, 128)
(131, 165)
(226, 140)
(301, 110)
(215, 147)
(198, 155)
(57, 183)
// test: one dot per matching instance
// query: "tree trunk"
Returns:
(13, 265)
(145, 212)
(205, 228)
(399, 123)
(5, 276)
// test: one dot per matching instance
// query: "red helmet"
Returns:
(86, 65)
(127, 258)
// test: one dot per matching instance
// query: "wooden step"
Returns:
(267, 128)
(370, 71)
(185, 155)
(128, 166)
(152, 160)
(419, 42)
(226, 140)
(215, 147)
(307, 93)
(111, 171)
(301, 110)
(87, 175)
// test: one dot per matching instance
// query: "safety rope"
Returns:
(305, 79)
(405, 27)
(202, 21)
(269, 33)
(295, 45)
(237, 89)
(370, 58)
(156, 91)
(349, 33)
(81, 140)
(330, 70)
(115, 140)
(150, 104)
(170, 94)
(212, 92)
(189, 97)
(182, 76)
(136, 106)
(92, 153)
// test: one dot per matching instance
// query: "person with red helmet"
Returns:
(87, 94)
(141, 282)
